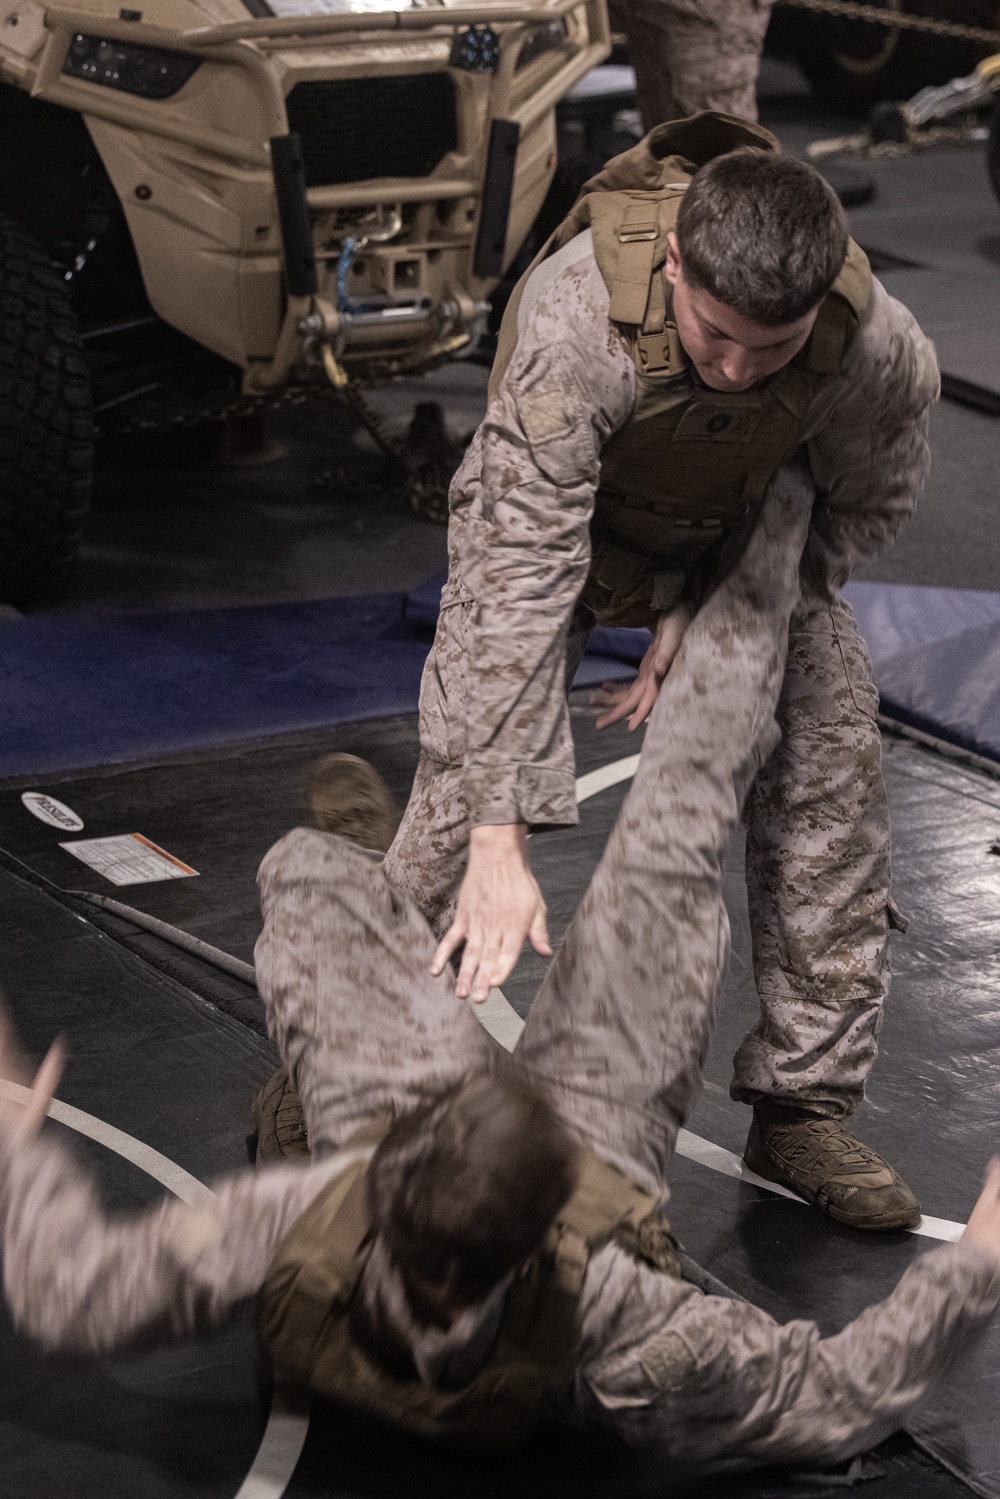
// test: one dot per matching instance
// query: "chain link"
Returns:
(427, 500)
(849, 10)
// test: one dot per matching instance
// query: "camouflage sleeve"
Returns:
(718, 1380)
(77, 1279)
(869, 454)
(569, 386)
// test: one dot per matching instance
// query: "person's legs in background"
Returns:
(690, 55)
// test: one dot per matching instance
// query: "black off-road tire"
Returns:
(46, 431)
(852, 66)
(993, 150)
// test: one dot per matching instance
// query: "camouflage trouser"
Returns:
(693, 54)
(817, 858)
(818, 876)
(619, 1029)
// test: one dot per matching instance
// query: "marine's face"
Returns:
(729, 352)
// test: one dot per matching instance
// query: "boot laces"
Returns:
(805, 1143)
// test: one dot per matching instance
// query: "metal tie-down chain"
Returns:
(426, 498)
(896, 20)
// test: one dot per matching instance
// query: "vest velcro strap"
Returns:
(635, 243)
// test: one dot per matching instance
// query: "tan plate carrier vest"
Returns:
(690, 462)
(304, 1323)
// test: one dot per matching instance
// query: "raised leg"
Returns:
(619, 1029)
(343, 965)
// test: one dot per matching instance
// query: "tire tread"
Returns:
(46, 429)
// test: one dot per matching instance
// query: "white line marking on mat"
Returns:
(605, 776)
(279, 1451)
(498, 1016)
(183, 1185)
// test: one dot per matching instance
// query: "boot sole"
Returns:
(763, 1166)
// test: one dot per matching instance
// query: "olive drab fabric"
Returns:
(690, 462)
(304, 1313)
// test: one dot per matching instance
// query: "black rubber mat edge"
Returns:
(967, 757)
(233, 996)
(968, 393)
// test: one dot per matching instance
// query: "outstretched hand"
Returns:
(637, 699)
(499, 905)
(23, 1119)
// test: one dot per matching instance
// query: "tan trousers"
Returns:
(693, 54)
(817, 860)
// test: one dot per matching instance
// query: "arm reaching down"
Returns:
(522, 504)
(569, 387)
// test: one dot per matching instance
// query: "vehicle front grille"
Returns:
(355, 128)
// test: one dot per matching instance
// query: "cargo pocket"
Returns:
(897, 921)
(857, 663)
(444, 685)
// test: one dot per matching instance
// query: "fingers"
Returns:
(478, 963)
(645, 705)
(498, 906)
(490, 962)
(608, 695)
(627, 703)
(452, 938)
(42, 1091)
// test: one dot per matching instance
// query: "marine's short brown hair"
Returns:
(763, 234)
(465, 1189)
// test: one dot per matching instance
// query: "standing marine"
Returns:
(690, 55)
(700, 320)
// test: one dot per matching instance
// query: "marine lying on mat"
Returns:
(677, 345)
(479, 1244)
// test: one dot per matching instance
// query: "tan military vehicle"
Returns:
(207, 202)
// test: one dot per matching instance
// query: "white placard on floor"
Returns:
(128, 859)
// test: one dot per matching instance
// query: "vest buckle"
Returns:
(630, 234)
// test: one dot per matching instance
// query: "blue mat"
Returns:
(936, 655)
(82, 690)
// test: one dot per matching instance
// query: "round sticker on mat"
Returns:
(47, 809)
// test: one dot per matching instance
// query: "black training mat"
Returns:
(156, 1061)
(929, 1102)
(220, 811)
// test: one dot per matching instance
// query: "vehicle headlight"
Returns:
(150, 72)
(547, 38)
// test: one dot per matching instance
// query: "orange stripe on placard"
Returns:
(162, 852)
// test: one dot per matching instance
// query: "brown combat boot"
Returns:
(279, 1123)
(349, 797)
(817, 1158)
